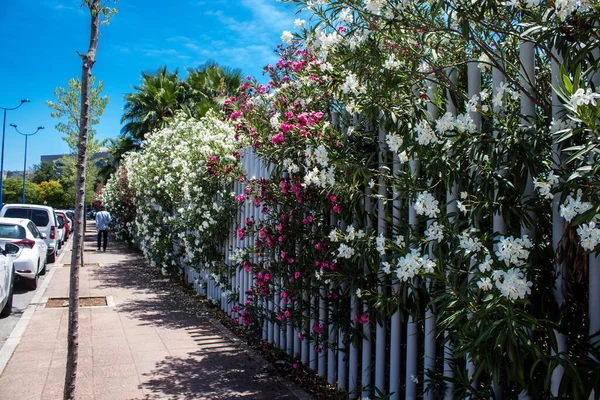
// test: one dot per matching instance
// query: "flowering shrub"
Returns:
(118, 197)
(181, 181)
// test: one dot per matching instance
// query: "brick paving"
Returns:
(143, 347)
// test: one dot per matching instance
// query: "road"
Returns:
(22, 298)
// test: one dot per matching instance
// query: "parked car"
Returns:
(7, 282)
(60, 231)
(43, 217)
(25, 244)
(68, 223)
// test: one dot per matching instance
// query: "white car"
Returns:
(43, 217)
(7, 281)
(60, 231)
(25, 244)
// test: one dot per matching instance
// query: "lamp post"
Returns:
(2, 157)
(25, 157)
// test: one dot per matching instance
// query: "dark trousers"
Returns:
(100, 235)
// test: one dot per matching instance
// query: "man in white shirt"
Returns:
(103, 218)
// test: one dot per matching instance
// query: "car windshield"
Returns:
(10, 231)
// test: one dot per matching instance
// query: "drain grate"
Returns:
(85, 265)
(60, 302)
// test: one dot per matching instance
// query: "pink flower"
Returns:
(287, 313)
(300, 336)
(240, 233)
(262, 233)
(297, 275)
(283, 255)
(290, 260)
(361, 319)
(278, 139)
(336, 209)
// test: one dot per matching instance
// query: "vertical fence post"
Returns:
(396, 320)
(412, 346)
(558, 223)
(451, 208)
(430, 345)
(367, 348)
(381, 333)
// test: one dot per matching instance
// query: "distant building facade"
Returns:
(99, 158)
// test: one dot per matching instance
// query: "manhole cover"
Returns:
(59, 302)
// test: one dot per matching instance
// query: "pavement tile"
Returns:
(112, 358)
(149, 356)
(112, 371)
(21, 387)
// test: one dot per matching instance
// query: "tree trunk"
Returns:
(86, 73)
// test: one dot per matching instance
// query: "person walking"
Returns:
(103, 218)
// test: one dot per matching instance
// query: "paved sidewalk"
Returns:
(144, 347)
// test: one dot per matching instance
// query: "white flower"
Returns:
(435, 232)
(513, 251)
(299, 23)
(287, 37)
(425, 134)
(346, 16)
(469, 244)
(486, 265)
(391, 62)
(380, 244)
(351, 85)
(374, 6)
(543, 188)
(426, 204)
(414, 379)
(358, 293)
(345, 251)
(445, 123)
(485, 284)
(333, 235)
(512, 284)
(371, 183)
(581, 97)
(572, 207)
(394, 142)
(387, 267)
(589, 235)
(461, 207)
(531, 3)
(484, 62)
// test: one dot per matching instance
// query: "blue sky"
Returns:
(40, 39)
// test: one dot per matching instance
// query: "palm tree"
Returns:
(162, 94)
(208, 86)
(152, 104)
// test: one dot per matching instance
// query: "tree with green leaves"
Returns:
(66, 109)
(43, 172)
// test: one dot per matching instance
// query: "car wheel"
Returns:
(8, 307)
(51, 258)
(32, 284)
(43, 271)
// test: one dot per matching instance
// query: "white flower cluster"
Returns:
(434, 232)
(374, 6)
(584, 97)
(574, 206)
(345, 251)
(513, 251)
(426, 204)
(589, 234)
(545, 184)
(413, 264)
(425, 135)
(469, 244)
(512, 283)
(352, 85)
(565, 8)
(394, 142)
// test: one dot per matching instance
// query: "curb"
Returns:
(19, 330)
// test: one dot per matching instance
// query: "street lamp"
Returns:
(25, 158)
(3, 134)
